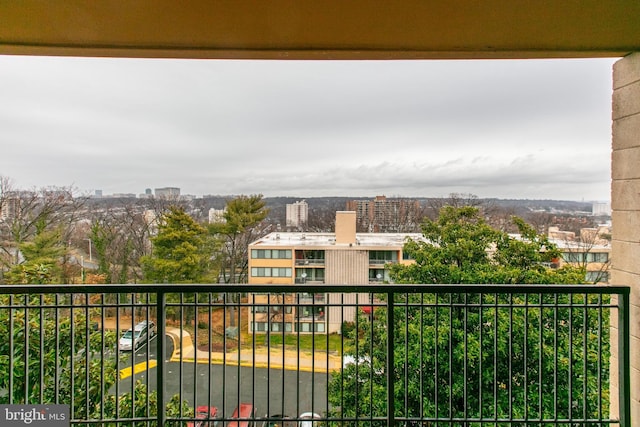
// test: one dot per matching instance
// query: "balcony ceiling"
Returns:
(332, 29)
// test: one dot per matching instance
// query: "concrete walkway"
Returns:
(290, 359)
(258, 357)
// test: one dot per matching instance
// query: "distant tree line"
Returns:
(55, 235)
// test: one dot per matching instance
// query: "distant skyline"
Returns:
(519, 129)
(301, 198)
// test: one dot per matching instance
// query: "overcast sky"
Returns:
(509, 129)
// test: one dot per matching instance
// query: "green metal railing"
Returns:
(389, 355)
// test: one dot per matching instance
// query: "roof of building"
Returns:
(601, 245)
(329, 239)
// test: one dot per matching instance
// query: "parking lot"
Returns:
(271, 390)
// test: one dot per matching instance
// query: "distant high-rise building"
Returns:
(167, 192)
(9, 207)
(217, 215)
(12, 203)
(601, 209)
(297, 214)
(98, 193)
(383, 215)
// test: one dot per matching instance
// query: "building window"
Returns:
(382, 257)
(271, 253)
(260, 327)
(279, 326)
(275, 326)
(585, 257)
(270, 272)
(597, 277)
(315, 312)
(309, 257)
(598, 257)
(378, 275)
(309, 327)
(304, 275)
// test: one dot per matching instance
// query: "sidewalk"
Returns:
(259, 357)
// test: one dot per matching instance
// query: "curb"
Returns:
(250, 364)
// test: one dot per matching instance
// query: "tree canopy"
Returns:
(461, 247)
(243, 217)
(42, 260)
(50, 355)
(181, 250)
(472, 355)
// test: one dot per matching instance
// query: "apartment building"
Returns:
(384, 214)
(590, 250)
(297, 214)
(343, 257)
(10, 206)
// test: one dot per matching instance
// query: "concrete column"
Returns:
(625, 204)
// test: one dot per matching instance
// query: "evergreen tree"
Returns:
(181, 251)
(42, 257)
(243, 217)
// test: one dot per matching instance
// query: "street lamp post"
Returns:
(90, 258)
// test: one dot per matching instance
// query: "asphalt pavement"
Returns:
(205, 381)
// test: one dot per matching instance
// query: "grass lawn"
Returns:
(303, 342)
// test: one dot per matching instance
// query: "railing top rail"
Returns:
(318, 288)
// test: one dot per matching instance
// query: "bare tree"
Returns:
(161, 205)
(500, 217)
(275, 314)
(121, 235)
(456, 200)
(25, 213)
(322, 217)
(540, 220)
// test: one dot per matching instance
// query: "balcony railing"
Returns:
(427, 355)
(309, 262)
(381, 261)
(301, 281)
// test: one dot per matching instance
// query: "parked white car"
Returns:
(307, 419)
(136, 337)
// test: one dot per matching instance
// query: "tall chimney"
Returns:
(345, 227)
